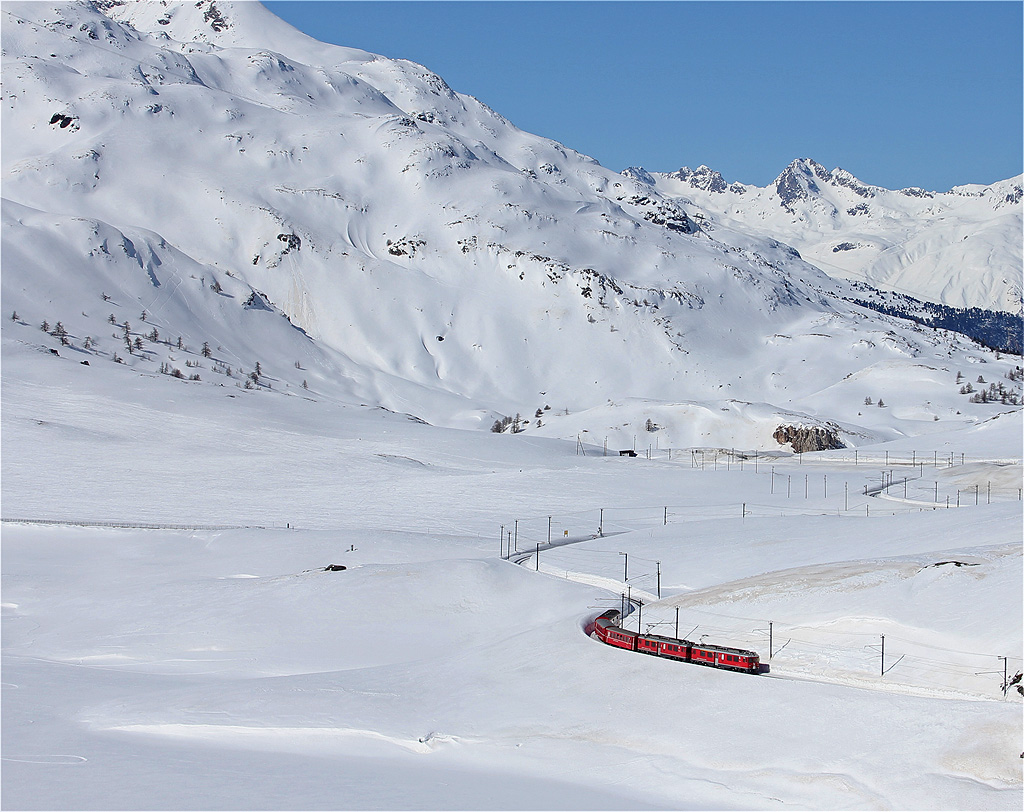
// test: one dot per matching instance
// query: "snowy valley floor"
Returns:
(224, 669)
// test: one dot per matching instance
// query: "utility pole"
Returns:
(600, 524)
(536, 567)
(666, 516)
(549, 530)
(515, 538)
(659, 579)
(501, 542)
(883, 655)
(1005, 685)
(771, 650)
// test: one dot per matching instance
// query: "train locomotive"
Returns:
(608, 631)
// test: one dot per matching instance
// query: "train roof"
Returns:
(702, 646)
(725, 649)
(670, 640)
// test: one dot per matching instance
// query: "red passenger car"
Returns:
(733, 659)
(608, 632)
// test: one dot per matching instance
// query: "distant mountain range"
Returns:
(961, 248)
(179, 176)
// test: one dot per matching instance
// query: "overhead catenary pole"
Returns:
(883, 655)
(625, 566)
(515, 537)
(677, 623)
(659, 579)
(536, 566)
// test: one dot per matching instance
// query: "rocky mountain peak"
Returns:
(797, 181)
(639, 174)
(702, 177)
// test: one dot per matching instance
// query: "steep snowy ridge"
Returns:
(961, 248)
(415, 250)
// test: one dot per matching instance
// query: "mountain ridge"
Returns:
(908, 240)
(427, 256)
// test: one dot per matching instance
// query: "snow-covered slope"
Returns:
(192, 667)
(201, 176)
(961, 248)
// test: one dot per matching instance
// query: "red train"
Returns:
(734, 659)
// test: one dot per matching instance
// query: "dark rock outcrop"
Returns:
(808, 438)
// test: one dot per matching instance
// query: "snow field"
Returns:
(222, 669)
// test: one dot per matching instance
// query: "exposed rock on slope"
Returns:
(808, 438)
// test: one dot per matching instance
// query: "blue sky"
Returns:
(899, 93)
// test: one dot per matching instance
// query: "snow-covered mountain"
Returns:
(961, 248)
(198, 188)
